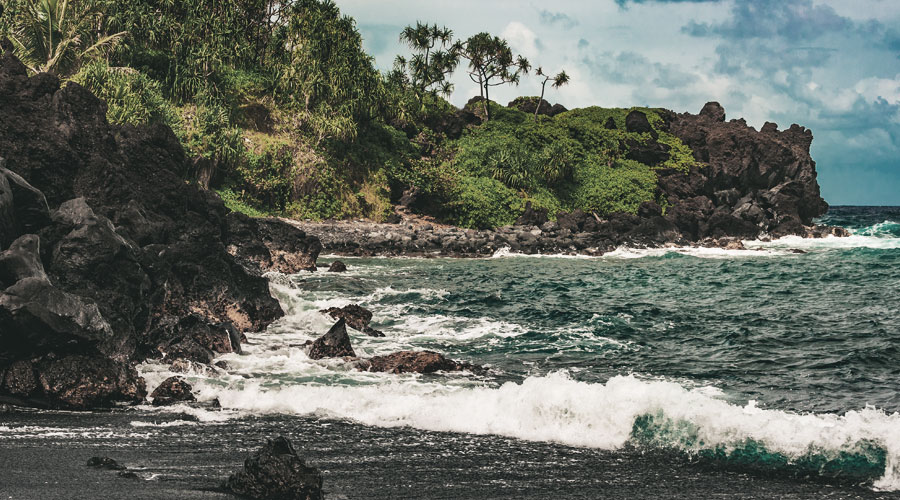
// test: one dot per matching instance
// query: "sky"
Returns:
(830, 65)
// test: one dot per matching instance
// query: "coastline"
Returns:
(479, 466)
(424, 239)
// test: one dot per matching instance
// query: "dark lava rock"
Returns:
(357, 317)
(649, 209)
(337, 267)
(187, 350)
(715, 112)
(415, 362)
(649, 153)
(83, 382)
(762, 181)
(334, 344)
(172, 390)
(557, 109)
(104, 463)
(36, 318)
(532, 217)
(21, 260)
(610, 124)
(530, 104)
(271, 245)
(637, 122)
(127, 474)
(275, 472)
(127, 250)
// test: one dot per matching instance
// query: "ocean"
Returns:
(685, 372)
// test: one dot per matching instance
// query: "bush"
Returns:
(482, 202)
(621, 187)
(130, 95)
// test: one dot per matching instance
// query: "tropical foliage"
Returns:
(280, 106)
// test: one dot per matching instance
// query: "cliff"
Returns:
(109, 257)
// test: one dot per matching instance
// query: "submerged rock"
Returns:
(276, 472)
(415, 362)
(334, 344)
(357, 317)
(172, 390)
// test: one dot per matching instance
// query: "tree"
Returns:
(491, 63)
(54, 36)
(435, 58)
(559, 80)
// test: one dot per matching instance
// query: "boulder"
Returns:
(649, 153)
(532, 217)
(24, 205)
(713, 111)
(637, 122)
(171, 391)
(21, 260)
(530, 104)
(557, 109)
(81, 382)
(415, 362)
(36, 318)
(357, 317)
(337, 267)
(276, 472)
(610, 124)
(334, 344)
(189, 350)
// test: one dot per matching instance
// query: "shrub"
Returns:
(621, 187)
(131, 96)
(481, 202)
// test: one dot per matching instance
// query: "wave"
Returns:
(863, 444)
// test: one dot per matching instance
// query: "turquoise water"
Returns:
(766, 358)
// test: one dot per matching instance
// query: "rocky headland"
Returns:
(750, 184)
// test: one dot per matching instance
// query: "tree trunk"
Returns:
(538, 107)
(487, 99)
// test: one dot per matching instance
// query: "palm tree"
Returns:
(559, 80)
(56, 37)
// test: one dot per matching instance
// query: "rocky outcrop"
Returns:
(337, 267)
(271, 245)
(357, 317)
(334, 344)
(415, 362)
(276, 472)
(750, 181)
(171, 391)
(108, 257)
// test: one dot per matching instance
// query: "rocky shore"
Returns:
(108, 257)
(750, 185)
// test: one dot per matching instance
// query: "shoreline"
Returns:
(479, 467)
(420, 239)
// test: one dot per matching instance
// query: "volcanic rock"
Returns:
(276, 472)
(171, 391)
(415, 362)
(357, 317)
(337, 267)
(334, 344)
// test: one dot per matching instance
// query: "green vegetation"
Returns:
(290, 116)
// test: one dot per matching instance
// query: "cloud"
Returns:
(796, 20)
(557, 18)
(624, 3)
(522, 40)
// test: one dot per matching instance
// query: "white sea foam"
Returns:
(856, 240)
(555, 408)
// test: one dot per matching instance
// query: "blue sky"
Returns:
(830, 65)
